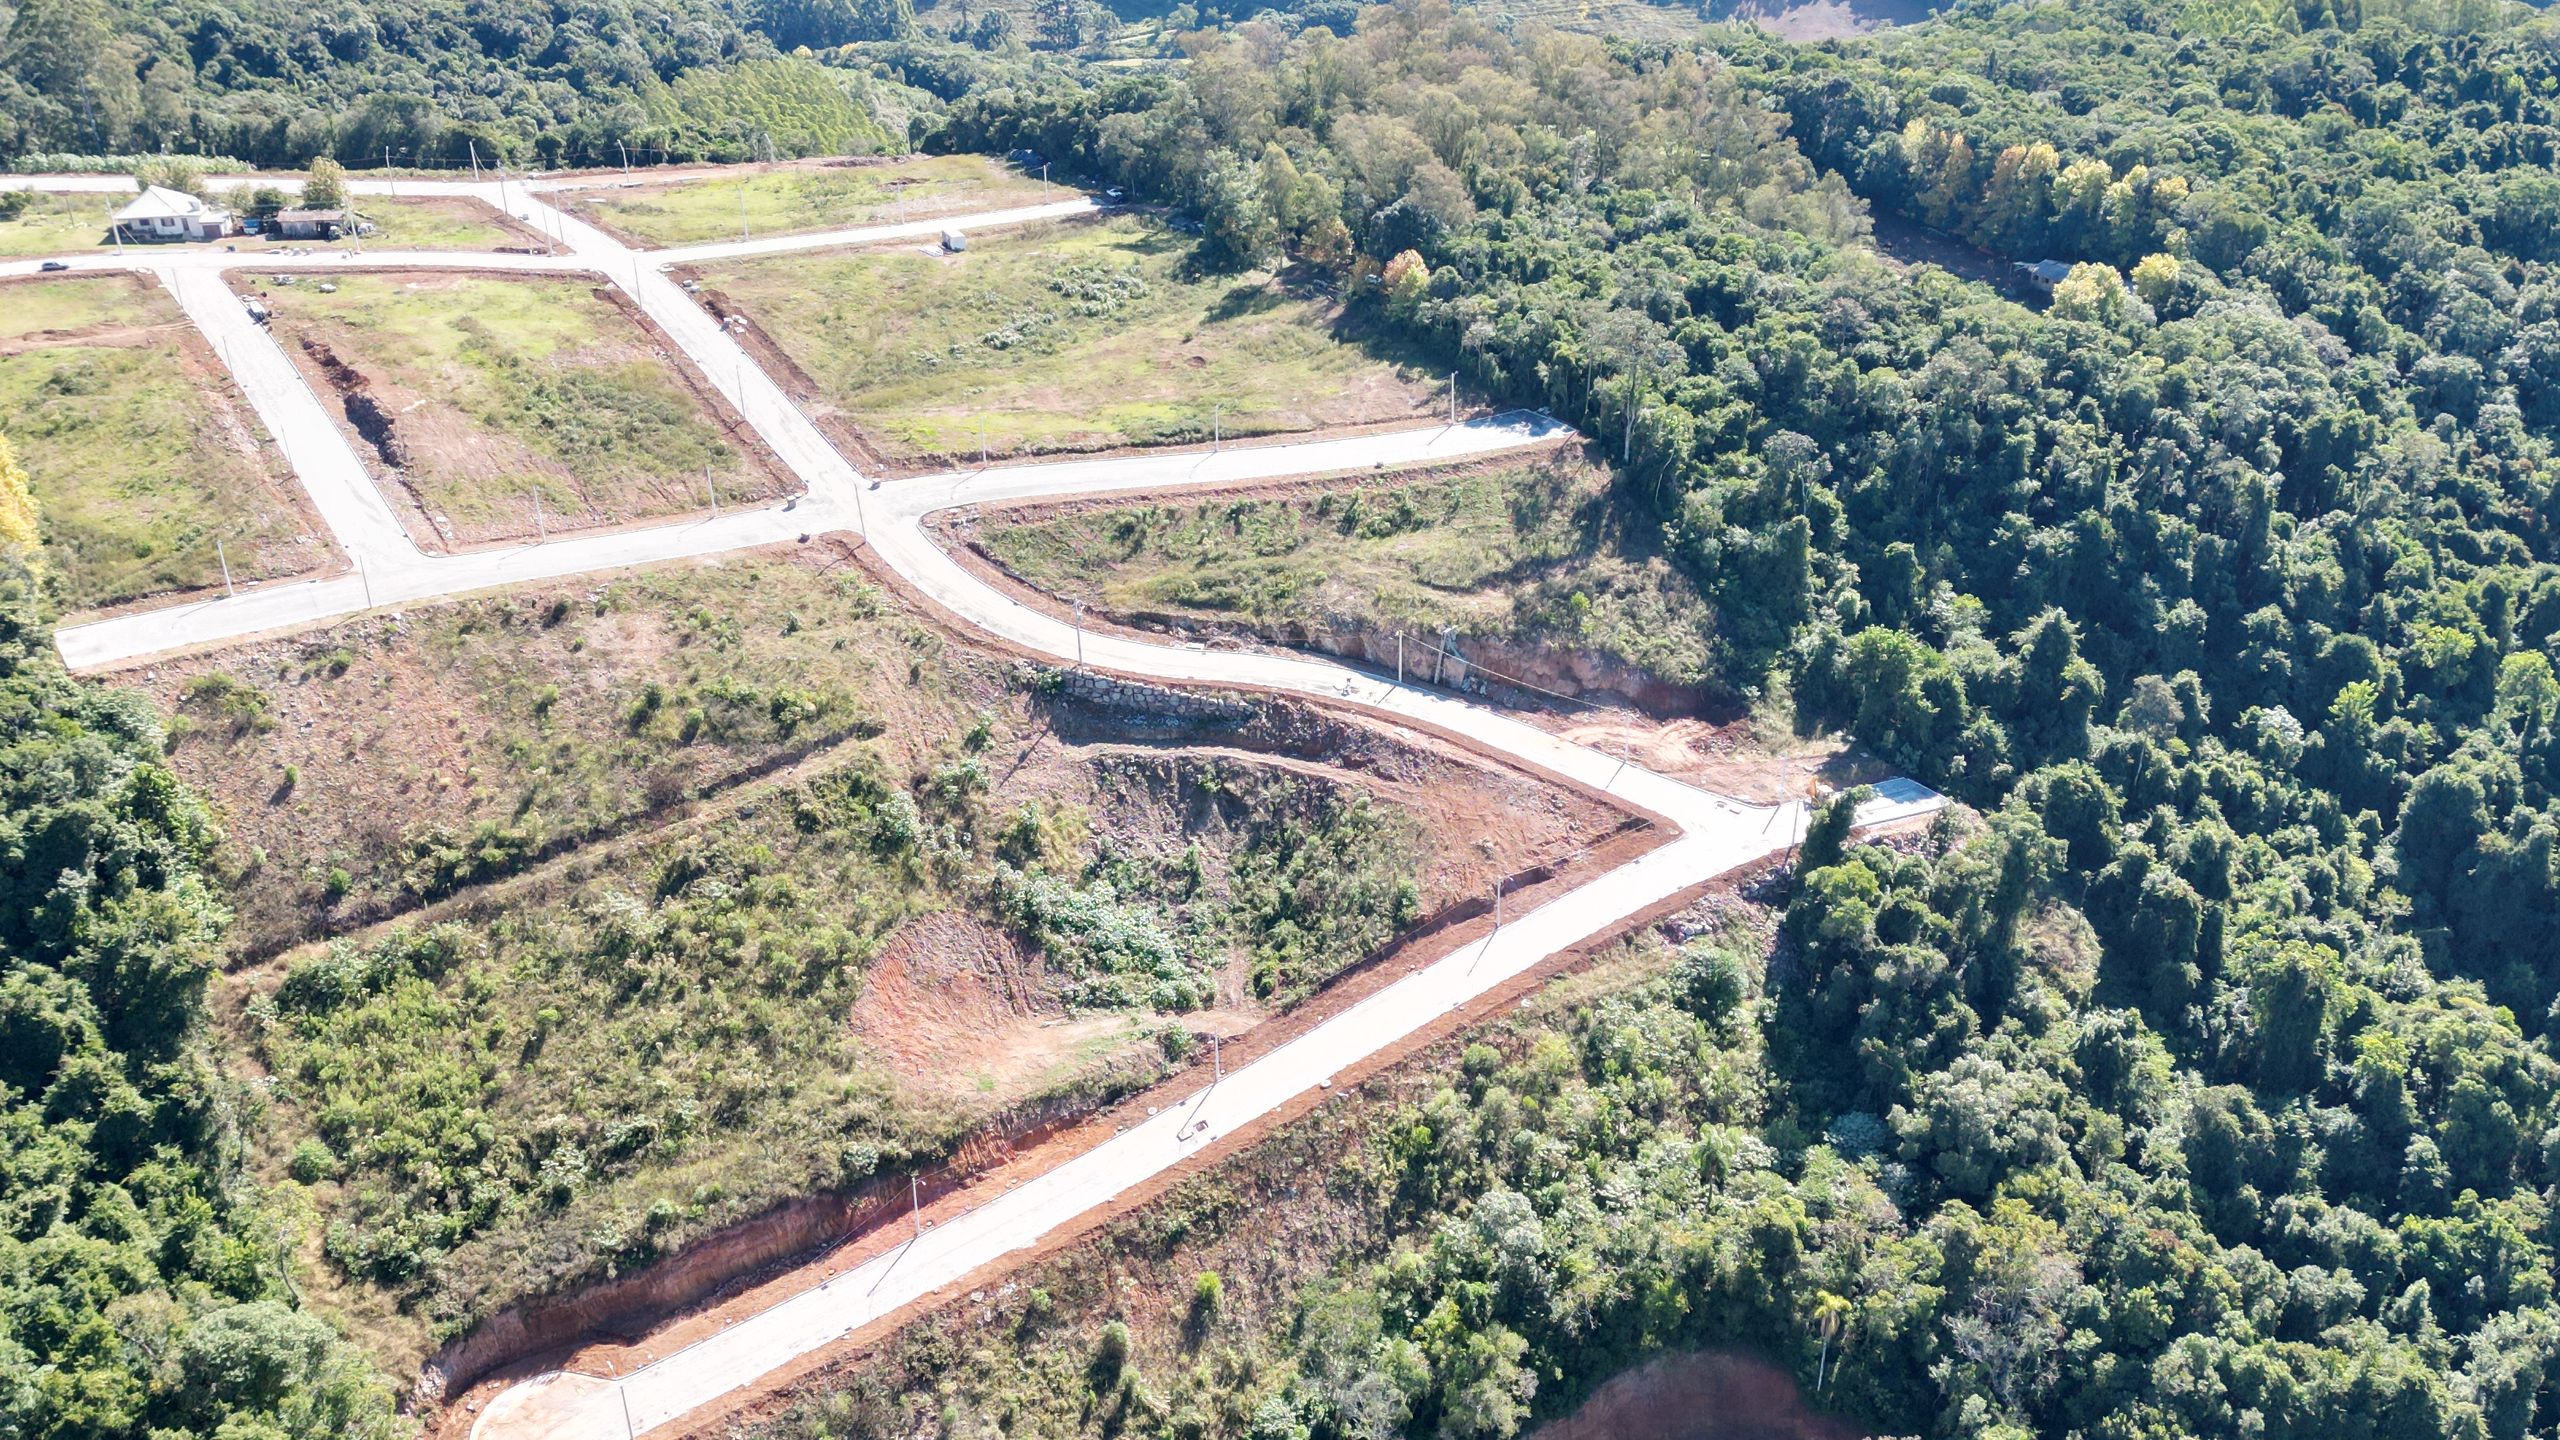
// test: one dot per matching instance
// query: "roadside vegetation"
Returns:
(1462, 1246)
(588, 1070)
(485, 397)
(794, 199)
(139, 452)
(1534, 554)
(1063, 337)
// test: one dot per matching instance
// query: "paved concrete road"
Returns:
(1715, 834)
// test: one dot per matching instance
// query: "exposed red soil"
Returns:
(948, 1197)
(1699, 1396)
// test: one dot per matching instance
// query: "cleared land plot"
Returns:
(148, 467)
(798, 199)
(439, 222)
(1082, 336)
(499, 406)
(977, 897)
(1536, 556)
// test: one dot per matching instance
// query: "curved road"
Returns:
(1714, 834)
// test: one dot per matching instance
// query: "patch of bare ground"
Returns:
(1695, 1395)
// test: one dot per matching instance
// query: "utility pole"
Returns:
(1079, 622)
(711, 488)
(1217, 427)
(1453, 397)
(539, 533)
(386, 171)
(475, 165)
(742, 206)
(1399, 659)
(915, 1202)
(626, 156)
(982, 444)
(219, 554)
(1217, 1057)
(1497, 903)
(1044, 177)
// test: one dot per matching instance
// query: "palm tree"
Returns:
(1830, 1315)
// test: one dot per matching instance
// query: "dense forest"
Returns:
(2209, 1089)
(141, 1287)
(2205, 1087)
(541, 82)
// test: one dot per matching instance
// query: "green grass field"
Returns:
(141, 454)
(491, 390)
(790, 200)
(1530, 552)
(58, 225)
(434, 222)
(1064, 337)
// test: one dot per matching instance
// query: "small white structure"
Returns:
(159, 213)
(954, 242)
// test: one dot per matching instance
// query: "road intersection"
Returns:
(1714, 834)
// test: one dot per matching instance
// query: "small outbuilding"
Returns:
(160, 214)
(2040, 276)
(309, 224)
(954, 242)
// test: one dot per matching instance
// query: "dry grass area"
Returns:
(1533, 567)
(148, 466)
(1077, 336)
(760, 200)
(717, 885)
(496, 407)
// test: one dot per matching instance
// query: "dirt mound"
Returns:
(957, 1004)
(1710, 1395)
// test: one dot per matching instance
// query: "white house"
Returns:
(163, 214)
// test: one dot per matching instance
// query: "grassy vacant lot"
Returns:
(1063, 337)
(795, 199)
(939, 890)
(141, 453)
(58, 224)
(479, 392)
(437, 222)
(1531, 552)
